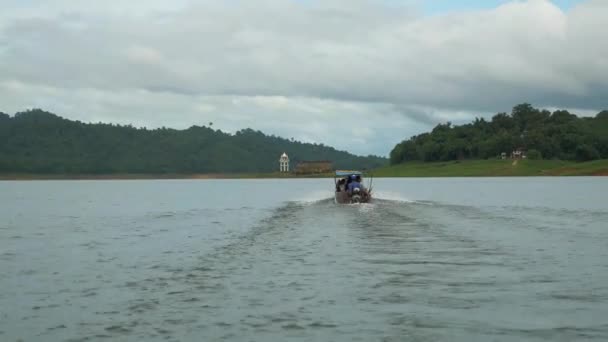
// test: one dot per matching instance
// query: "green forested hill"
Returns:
(36, 141)
(544, 135)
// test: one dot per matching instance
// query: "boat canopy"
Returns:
(345, 173)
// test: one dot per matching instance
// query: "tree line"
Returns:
(36, 141)
(543, 134)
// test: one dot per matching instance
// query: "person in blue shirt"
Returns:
(355, 183)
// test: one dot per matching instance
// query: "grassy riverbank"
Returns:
(469, 168)
(495, 168)
(134, 176)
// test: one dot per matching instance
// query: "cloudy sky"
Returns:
(360, 75)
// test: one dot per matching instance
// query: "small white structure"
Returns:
(284, 163)
(518, 154)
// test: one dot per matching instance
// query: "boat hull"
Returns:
(343, 197)
(351, 179)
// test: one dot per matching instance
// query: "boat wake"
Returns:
(313, 197)
(393, 197)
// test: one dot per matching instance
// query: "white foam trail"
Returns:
(392, 196)
(314, 197)
(366, 207)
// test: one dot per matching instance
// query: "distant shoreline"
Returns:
(412, 172)
(467, 168)
(496, 168)
(140, 176)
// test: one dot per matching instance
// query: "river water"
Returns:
(454, 259)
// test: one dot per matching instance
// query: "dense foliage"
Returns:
(40, 142)
(546, 135)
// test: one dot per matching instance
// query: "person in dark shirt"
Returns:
(341, 186)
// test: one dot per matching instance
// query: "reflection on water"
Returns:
(161, 261)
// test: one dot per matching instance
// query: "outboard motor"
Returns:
(356, 196)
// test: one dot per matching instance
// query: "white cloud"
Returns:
(300, 68)
(140, 54)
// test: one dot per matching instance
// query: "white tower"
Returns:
(284, 163)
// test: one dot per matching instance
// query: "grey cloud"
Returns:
(365, 54)
(356, 127)
(355, 50)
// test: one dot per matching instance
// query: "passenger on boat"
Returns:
(355, 183)
(349, 179)
(341, 186)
